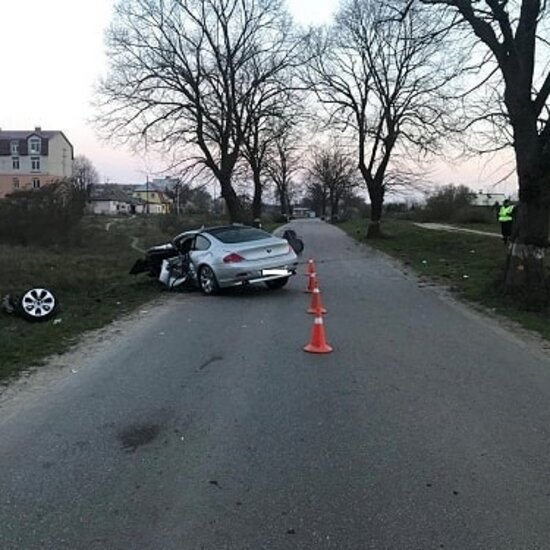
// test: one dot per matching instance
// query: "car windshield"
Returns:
(238, 234)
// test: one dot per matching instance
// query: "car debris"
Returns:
(8, 304)
(294, 240)
(35, 304)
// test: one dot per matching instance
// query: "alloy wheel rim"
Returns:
(206, 280)
(38, 302)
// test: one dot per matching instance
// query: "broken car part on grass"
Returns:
(35, 304)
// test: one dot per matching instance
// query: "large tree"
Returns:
(182, 72)
(382, 79)
(515, 35)
(271, 105)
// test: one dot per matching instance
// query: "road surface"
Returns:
(204, 425)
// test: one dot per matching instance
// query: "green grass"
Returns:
(468, 264)
(91, 282)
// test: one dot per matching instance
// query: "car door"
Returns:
(201, 252)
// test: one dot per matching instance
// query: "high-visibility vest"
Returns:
(505, 213)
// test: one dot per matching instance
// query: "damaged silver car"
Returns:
(221, 257)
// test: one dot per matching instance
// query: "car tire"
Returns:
(207, 281)
(37, 304)
(274, 284)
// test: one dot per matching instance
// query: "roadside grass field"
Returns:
(468, 264)
(91, 281)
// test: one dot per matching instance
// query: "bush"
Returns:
(45, 217)
(443, 205)
(474, 214)
(171, 224)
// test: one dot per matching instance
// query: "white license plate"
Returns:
(273, 272)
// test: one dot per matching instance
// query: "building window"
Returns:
(35, 183)
(34, 145)
(14, 147)
(35, 164)
(16, 183)
(15, 163)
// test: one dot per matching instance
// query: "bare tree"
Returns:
(515, 35)
(382, 79)
(181, 74)
(84, 172)
(272, 104)
(332, 176)
(282, 166)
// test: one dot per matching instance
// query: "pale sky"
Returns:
(53, 55)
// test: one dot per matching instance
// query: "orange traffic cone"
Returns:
(310, 267)
(311, 281)
(318, 343)
(316, 306)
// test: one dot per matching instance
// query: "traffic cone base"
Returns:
(316, 306)
(318, 343)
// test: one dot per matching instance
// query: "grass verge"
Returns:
(91, 282)
(468, 264)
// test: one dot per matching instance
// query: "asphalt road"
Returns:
(205, 425)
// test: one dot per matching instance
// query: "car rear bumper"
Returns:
(240, 275)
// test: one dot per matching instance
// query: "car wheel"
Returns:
(274, 284)
(37, 304)
(207, 280)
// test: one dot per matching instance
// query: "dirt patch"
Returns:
(138, 435)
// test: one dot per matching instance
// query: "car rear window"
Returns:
(238, 234)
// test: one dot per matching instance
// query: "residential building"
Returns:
(32, 159)
(155, 199)
(113, 200)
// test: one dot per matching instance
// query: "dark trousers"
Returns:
(506, 230)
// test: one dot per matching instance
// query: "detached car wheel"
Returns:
(207, 281)
(37, 304)
(274, 284)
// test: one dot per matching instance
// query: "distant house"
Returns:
(487, 199)
(167, 183)
(112, 200)
(154, 199)
(31, 159)
(299, 212)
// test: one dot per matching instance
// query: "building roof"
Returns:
(24, 134)
(6, 136)
(112, 193)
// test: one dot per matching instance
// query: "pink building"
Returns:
(32, 159)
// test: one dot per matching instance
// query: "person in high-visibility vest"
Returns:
(506, 219)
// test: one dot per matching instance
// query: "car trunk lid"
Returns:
(260, 250)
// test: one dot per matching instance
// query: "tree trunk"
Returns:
(257, 199)
(232, 202)
(525, 276)
(377, 200)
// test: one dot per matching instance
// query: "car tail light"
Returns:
(233, 258)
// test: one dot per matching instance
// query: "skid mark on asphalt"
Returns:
(212, 359)
(137, 435)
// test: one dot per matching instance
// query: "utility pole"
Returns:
(147, 193)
